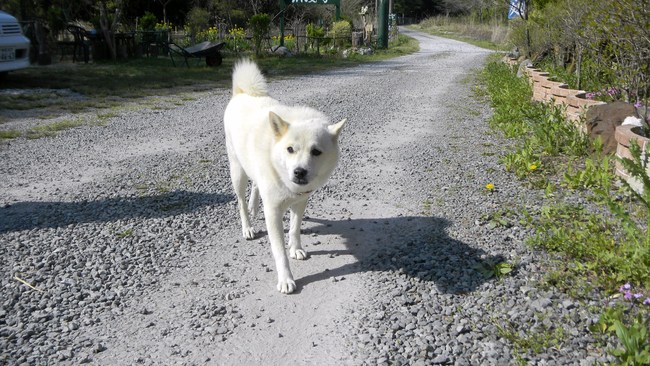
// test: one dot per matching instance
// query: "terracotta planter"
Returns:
(531, 71)
(577, 105)
(561, 92)
(547, 86)
(626, 135)
(545, 90)
(539, 92)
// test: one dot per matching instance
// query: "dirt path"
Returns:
(234, 279)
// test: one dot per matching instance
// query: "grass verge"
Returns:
(108, 84)
(603, 245)
(485, 35)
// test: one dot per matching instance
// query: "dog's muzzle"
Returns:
(300, 176)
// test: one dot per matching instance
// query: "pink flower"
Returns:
(627, 295)
(625, 287)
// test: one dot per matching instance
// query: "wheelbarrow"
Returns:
(207, 49)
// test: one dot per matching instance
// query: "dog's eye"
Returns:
(290, 150)
(316, 152)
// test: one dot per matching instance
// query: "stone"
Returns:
(602, 120)
(521, 71)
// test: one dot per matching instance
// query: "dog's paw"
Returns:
(298, 254)
(248, 233)
(286, 286)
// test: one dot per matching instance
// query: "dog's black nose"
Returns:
(300, 173)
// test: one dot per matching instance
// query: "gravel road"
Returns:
(129, 235)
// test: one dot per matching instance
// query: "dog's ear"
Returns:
(279, 125)
(336, 128)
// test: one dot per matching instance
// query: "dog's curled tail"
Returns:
(248, 79)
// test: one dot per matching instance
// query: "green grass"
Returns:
(52, 129)
(10, 134)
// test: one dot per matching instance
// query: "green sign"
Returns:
(319, 2)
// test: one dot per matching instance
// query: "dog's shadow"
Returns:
(416, 247)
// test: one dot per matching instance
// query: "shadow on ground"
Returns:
(38, 215)
(416, 246)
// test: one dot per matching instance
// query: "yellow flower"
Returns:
(489, 187)
(532, 167)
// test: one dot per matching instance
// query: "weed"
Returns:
(491, 269)
(125, 233)
(503, 218)
(426, 206)
(532, 339)
(594, 174)
(10, 134)
(632, 331)
(52, 129)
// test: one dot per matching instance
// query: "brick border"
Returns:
(547, 90)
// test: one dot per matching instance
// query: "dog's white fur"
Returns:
(287, 152)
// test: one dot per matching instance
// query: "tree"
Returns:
(164, 4)
(618, 34)
(108, 25)
(260, 24)
(197, 19)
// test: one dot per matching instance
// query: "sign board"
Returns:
(315, 2)
(517, 7)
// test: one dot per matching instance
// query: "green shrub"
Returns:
(197, 20)
(341, 33)
(148, 21)
(316, 36)
(259, 24)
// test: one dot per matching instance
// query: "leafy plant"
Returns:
(491, 269)
(595, 174)
(237, 40)
(634, 337)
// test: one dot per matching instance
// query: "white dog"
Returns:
(287, 152)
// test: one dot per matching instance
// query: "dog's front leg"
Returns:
(273, 217)
(297, 211)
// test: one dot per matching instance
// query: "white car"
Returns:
(14, 46)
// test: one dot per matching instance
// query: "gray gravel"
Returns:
(128, 233)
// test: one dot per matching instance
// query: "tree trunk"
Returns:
(43, 57)
(108, 30)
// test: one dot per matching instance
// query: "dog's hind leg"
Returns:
(239, 183)
(254, 201)
(273, 213)
(297, 211)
